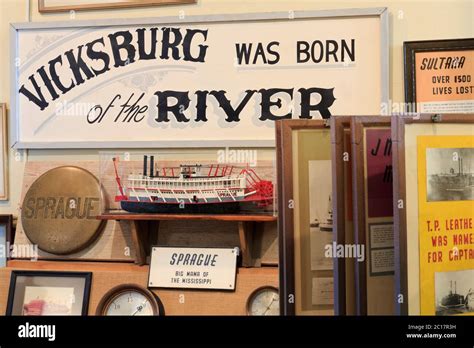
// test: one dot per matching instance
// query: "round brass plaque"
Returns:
(60, 208)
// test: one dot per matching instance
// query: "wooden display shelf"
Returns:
(214, 217)
(143, 224)
(107, 275)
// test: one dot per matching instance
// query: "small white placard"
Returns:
(193, 268)
(323, 291)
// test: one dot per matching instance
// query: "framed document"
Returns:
(6, 238)
(3, 153)
(373, 214)
(439, 76)
(343, 227)
(45, 293)
(305, 218)
(46, 6)
(434, 227)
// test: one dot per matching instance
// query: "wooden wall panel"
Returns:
(116, 237)
(107, 275)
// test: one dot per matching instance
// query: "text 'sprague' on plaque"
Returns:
(60, 208)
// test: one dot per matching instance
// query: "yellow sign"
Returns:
(446, 224)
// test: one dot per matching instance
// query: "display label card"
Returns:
(381, 235)
(444, 81)
(193, 268)
(323, 291)
(382, 252)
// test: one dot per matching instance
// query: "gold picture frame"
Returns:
(45, 6)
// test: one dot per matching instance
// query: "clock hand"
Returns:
(139, 308)
(268, 308)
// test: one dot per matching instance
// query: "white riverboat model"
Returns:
(192, 189)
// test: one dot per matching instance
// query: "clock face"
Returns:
(131, 300)
(264, 301)
(129, 303)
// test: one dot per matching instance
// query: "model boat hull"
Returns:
(174, 208)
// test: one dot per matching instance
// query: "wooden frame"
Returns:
(7, 220)
(44, 8)
(284, 131)
(400, 195)
(339, 125)
(4, 149)
(410, 48)
(359, 197)
(87, 276)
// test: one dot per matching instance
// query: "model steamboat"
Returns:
(204, 189)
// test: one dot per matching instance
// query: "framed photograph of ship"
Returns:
(305, 218)
(343, 226)
(373, 214)
(442, 164)
(213, 181)
(434, 228)
(439, 76)
(454, 292)
(44, 293)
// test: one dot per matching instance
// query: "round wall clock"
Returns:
(264, 301)
(129, 299)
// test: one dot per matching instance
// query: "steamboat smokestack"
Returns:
(145, 165)
(152, 166)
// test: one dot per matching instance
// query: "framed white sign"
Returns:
(216, 80)
(193, 268)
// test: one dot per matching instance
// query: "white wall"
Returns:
(409, 20)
